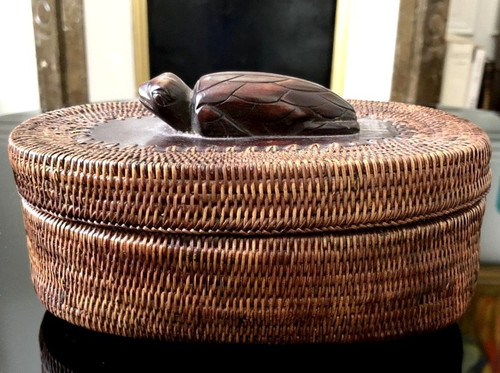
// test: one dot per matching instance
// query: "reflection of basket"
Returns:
(69, 348)
(346, 242)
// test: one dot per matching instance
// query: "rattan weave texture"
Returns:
(352, 241)
(333, 287)
(436, 165)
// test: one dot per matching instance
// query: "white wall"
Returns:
(18, 73)
(486, 25)
(110, 61)
(478, 19)
(370, 47)
(109, 46)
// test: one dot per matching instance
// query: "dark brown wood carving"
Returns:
(237, 104)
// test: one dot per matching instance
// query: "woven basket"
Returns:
(355, 239)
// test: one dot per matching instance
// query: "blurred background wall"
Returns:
(18, 75)
(110, 49)
(368, 48)
(368, 51)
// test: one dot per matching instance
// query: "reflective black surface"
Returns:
(20, 310)
(27, 344)
(65, 347)
(151, 131)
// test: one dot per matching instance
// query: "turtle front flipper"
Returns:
(212, 122)
(326, 128)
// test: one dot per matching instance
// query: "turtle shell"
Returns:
(264, 104)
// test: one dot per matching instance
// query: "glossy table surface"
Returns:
(32, 340)
(20, 311)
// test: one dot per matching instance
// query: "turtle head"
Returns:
(169, 98)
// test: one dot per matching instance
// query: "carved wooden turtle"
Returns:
(235, 104)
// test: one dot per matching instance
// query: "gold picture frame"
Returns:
(141, 42)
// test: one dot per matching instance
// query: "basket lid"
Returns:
(407, 163)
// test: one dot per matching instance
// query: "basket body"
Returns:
(349, 242)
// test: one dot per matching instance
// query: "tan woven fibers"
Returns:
(336, 287)
(435, 165)
(348, 241)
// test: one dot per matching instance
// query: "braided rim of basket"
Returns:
(335, 287)
(436, 164)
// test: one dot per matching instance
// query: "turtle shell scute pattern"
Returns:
(236, 104)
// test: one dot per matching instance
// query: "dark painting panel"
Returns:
(195, 37)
